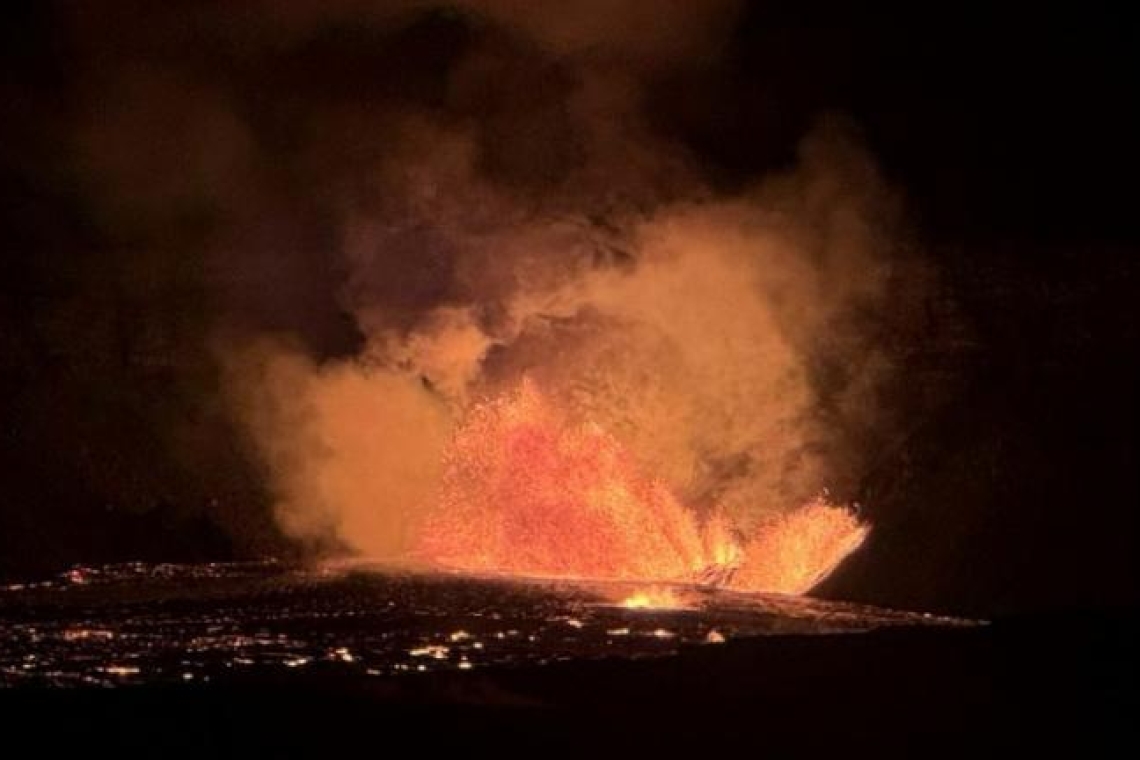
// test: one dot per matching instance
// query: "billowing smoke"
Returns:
(728, 339)
(391, 212)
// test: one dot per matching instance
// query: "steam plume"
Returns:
(685, 322)
(486, 203)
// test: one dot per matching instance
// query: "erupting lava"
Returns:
(525, 492)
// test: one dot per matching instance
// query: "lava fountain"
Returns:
(526, 491)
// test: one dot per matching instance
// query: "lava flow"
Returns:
(525, 492)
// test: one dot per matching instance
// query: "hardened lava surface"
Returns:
(144, 624)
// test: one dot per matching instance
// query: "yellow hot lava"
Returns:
(525, 492)
(652, 599)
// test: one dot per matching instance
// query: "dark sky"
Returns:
(1012, 139)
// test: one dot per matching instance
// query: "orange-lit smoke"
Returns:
(679, 431)
(703, 363)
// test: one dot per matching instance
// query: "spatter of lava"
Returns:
(525, 492)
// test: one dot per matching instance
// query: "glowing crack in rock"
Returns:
(526, 492)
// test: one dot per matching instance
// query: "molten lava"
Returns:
(525, 492)
(652, 599)
(792, 553)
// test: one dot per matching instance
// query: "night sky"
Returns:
(167, 174)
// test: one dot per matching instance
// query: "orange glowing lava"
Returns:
(525, 492)
(652, 599)
(793, 552)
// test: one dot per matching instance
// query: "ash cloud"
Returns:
(404, 211)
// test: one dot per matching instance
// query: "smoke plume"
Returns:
(390, 213)
(530, 225)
